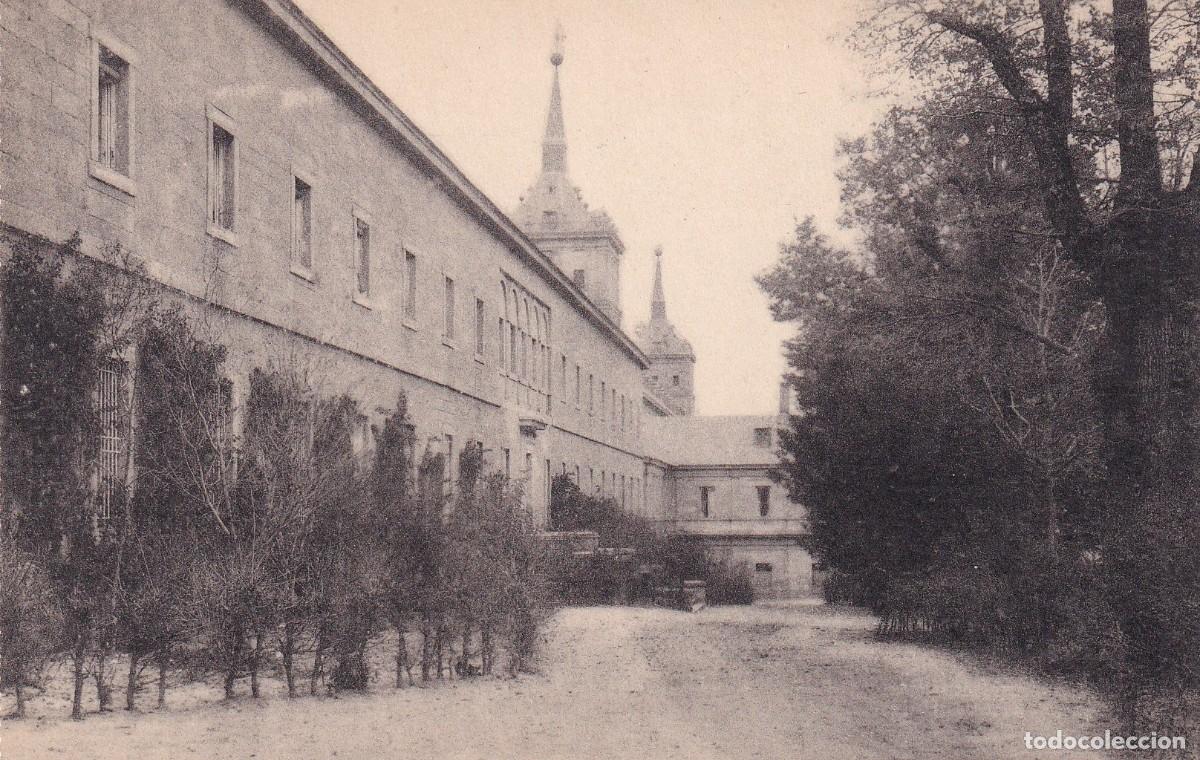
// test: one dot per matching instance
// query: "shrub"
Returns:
(30, 622)
(724, 584)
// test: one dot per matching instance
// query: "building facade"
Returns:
(275, 193)
(721, 494)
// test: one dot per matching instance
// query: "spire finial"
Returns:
(554, 144)
(556, 57)
(658, 301)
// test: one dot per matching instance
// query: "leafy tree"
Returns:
(391, 482)
(1104, 104)
(64, 314)
(30, 621)
(185, 488)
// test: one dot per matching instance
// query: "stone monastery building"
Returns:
(295, 210)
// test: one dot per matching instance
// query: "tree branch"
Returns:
(999, 54)
(1048, 117)
(1141, 169)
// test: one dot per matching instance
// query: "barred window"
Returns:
(110, 400)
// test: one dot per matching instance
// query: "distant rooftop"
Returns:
(726, 440)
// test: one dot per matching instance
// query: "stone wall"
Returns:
(290, 115)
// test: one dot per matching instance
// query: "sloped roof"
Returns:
(287, 23)
(711, 440)
(658, 339)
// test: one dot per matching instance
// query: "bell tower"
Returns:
(672, 361)
(582, 242)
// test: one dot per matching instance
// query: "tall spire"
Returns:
(554, 144)
(658, 301)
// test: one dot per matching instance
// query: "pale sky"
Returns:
(704, 127)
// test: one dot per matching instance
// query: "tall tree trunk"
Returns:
(485, 646)
(19, 693)
(101, 676)
(437, 643)
(402, 656)
(1133, 83)
(162, 680)
(318, 663)
(79, 672)
(426, 646)
(289, 656)
(255, 661)
(466, 648)
(131, 682)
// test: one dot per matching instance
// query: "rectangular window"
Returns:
(479, 327)
(603, 400)
(112, 127)
(222, 175)
(763, 567)
(762, 437)
(512, 349)
(577, 387)
(302, 224)
(764, 500)
(591, 394)
(110, 400)
(580, 278)
(507, 463)
(525, 357)
(410, 282)
(448, 328)
(362, 257)
(501, 335)
(705, 500)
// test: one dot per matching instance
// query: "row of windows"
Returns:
(707, 500)
(627, 491)
(523, 340)
(112, 399)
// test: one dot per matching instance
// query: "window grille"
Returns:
(112, 418)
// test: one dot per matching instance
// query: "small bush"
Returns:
(30, 623)
(724, 584)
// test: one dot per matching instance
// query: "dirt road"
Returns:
(797, 682)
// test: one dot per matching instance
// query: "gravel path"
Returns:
(797, 682)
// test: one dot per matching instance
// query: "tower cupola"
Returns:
(671, 374)
(582, 242)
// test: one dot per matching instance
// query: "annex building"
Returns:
(296, 211)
